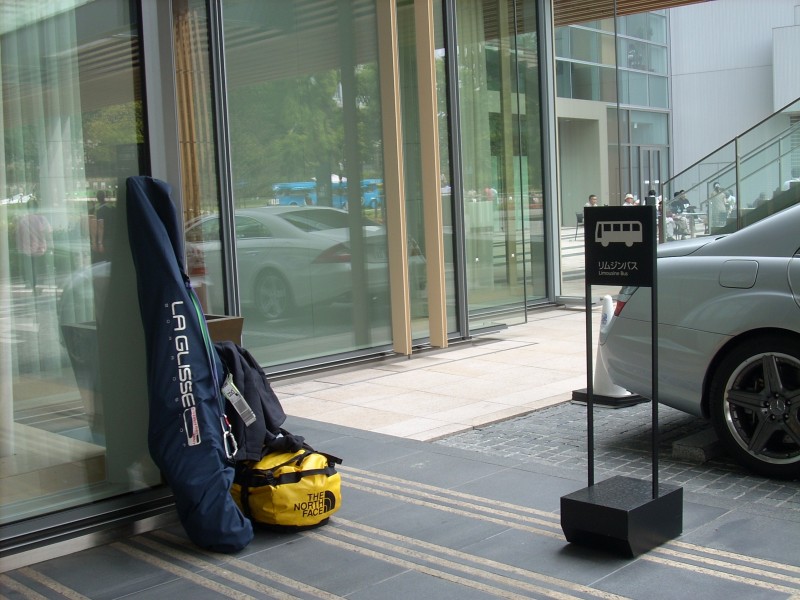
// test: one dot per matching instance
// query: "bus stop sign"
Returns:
(620, 245)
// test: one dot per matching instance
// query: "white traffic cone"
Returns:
(604, 391)
(603, 386)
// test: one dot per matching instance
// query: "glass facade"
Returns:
(498, 83)
(281, 175)
(619, 140)
(325, 291)
(412, 165)
(280, 161)
(307, 182)
(72, 377)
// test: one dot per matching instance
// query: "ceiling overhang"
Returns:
(571, 12)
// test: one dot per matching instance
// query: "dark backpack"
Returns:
(267, 413)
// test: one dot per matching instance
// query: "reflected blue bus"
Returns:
(371, 193)
(294, 193)
(298, 193)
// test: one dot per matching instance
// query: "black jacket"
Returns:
(249, 378)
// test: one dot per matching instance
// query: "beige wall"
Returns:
(583, 155)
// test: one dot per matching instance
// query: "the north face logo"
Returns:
(317, 504)
(330, 501)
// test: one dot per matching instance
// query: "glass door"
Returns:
(307, 182)
(500, 158)
(652, 171)
(73, 401)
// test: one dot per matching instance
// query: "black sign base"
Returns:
(620, 515)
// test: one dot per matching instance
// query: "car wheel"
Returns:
(755, 405)
(273, 297)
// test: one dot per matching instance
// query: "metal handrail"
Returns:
(734, 164)
(786, 132)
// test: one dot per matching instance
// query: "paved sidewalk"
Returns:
(508, 395)
(421, 520)
(454, 465)
(556, 437)
(440, 392)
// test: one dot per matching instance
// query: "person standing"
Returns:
(592, 201)
(716, 208)
(730, 202)
(102, 231)
(33, 240)
(629, 200)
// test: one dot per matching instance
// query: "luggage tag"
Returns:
(234, 396)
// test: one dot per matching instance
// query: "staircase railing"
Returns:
(753, 172)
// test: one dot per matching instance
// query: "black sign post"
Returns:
(622, 514)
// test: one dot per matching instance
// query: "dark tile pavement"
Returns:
(458, 519)
(555, 437)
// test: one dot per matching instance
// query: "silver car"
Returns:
(291, 256)
(729, 339)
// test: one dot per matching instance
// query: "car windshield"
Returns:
(251, 228)
(204, 230)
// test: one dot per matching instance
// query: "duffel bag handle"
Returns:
(247, 476)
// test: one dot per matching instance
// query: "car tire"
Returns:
(755, 405)
(273, 297)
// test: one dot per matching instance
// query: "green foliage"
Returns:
(107, 128)
(293, 129)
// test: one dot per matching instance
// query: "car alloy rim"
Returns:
(762, 404)
(273, 296)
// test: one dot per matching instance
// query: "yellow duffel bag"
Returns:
(289, 490)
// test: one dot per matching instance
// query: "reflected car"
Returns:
(290, 257)
(728, 339)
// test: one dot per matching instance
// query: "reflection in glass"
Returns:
(591, 82)
(561, 39)
(564, 79)
(198, 147)
(585, 45)
(624, 126)
(658, 94)
(642, 58)
(658, 27)
(657, 61)
(637, 88)
(72, 428)
(585, 82)
(635, 26)
(649, 128)
(305, 141)
(412, 168)
(501, 171)
(445, 171)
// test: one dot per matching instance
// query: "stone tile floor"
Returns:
(454, 465)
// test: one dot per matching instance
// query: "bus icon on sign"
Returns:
(624, 232)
